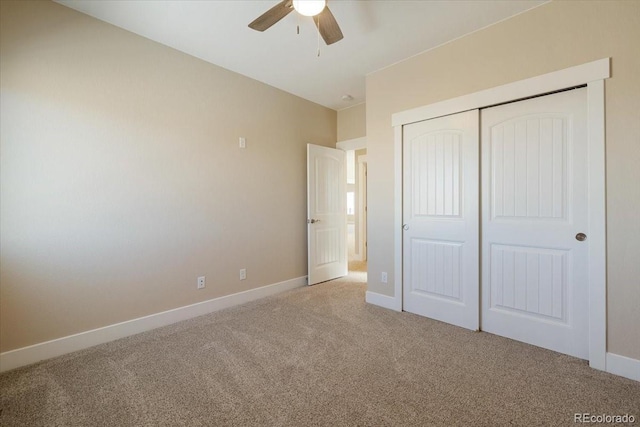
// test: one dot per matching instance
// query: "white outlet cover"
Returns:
(201, 282)
(242, 143)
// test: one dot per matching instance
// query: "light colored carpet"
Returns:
(315, 356)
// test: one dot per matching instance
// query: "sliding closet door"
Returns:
(440, 215)
(534, 222)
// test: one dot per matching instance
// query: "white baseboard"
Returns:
(383, 301)
(46, 350)
(623, 366)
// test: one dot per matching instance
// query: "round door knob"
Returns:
(581, 237)
(405, 226)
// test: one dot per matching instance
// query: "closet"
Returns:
(495, 220)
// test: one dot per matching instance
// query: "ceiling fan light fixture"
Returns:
(309, 7)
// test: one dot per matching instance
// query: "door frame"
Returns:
(591, 74)
(361, 214)
(361, 217)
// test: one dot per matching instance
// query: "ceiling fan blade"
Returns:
(272, 16)
(328, 26)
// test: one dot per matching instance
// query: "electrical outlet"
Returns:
(243, 273)
(383, 277)
(201, 282)
(242, 143)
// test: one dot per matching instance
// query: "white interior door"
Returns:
(326, 213)
(535, 268)
(441, 216)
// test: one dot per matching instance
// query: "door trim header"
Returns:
(546, 83)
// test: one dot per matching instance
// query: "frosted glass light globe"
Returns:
(309, 7)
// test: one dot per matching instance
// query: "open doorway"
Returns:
(357, 209)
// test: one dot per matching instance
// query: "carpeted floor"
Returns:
(314, 356)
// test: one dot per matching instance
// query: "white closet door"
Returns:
(534, 205)
(440, 215)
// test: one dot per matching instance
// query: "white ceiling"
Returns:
(376, 34)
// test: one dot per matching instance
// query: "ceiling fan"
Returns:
(318, 9)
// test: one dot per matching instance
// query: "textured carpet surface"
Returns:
(314, 356)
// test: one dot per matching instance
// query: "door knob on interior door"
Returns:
(581, 237)
(405, 227)
(312, 221)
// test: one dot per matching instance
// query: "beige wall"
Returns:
(122, 180)
(352, 122)
(554, 36)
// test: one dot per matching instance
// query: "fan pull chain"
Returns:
(297, 23)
